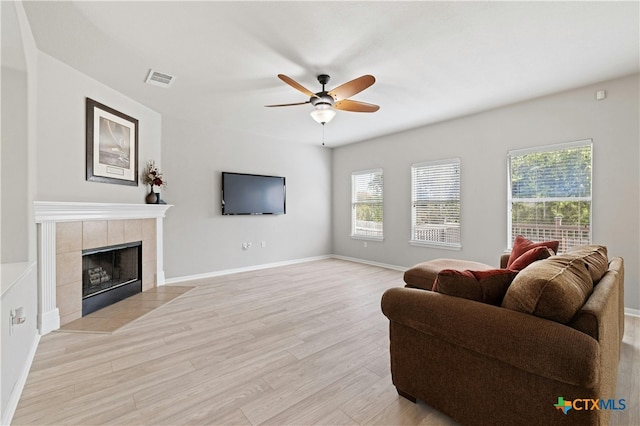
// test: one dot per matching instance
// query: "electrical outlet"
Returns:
(264, 244)
(246, 246)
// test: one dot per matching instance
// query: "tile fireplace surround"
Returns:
(67, 228)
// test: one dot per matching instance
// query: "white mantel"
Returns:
(47, 213)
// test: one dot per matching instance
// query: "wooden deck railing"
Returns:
(448, 233)
(368, 228)
(568, 235)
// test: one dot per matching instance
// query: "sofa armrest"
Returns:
(504, 259)
(529, 343)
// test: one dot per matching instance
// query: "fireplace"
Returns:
(65, 229)
(110, 274)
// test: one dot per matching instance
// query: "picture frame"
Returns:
(112, 145)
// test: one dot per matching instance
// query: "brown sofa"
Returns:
(483, 364)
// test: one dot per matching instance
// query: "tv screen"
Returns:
(252, 194)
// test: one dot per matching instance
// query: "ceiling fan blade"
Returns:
(281, 105)
(352, 87)
(355, 106)
(291, 82)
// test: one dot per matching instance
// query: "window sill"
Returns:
(366, 237)
(417, 243)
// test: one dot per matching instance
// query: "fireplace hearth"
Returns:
(110, 274)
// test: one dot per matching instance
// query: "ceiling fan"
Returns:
(325, 101)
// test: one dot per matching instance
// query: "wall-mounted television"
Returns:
(253, 194)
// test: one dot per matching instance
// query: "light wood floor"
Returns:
(301, 344)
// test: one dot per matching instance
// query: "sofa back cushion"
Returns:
(596, 259)
(487, 286)
(554, 288)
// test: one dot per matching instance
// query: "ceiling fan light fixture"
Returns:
(323, 115)
(324, 102)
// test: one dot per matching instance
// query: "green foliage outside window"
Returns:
(369, 205)
(552, 187)
(550, 195)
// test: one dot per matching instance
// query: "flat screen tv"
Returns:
(252, 194)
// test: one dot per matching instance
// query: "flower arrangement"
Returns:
(152, 175)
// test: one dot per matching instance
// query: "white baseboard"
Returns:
(174, 280)
(160, 278)
(632, 312)
(16, 392)
(369, 262)
(169, 281)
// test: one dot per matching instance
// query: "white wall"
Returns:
(481, 142)
(199, 240)
(62, 92)
(18, 270)
(19, 289)
(14, 191)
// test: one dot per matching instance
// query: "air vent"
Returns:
(159, 79)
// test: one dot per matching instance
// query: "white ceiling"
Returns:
(432, 60)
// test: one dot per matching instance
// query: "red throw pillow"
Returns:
(530, 256)
(522, 245)
(487, 286)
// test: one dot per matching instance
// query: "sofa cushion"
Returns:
(530, 256)
(596, 259)
(487, 286)
(522, 245)
(424, 274)
(554, 288)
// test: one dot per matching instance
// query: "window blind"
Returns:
(367, 204)
(549, 194)
(435, 195)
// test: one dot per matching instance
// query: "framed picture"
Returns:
(112, 145)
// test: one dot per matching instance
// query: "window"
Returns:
(435, 197)
(366, 204)
(549, 194)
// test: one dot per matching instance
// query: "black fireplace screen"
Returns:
(107, 268)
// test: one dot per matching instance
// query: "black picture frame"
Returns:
(112, 145)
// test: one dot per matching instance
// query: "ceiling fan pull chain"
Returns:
(322, 134)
